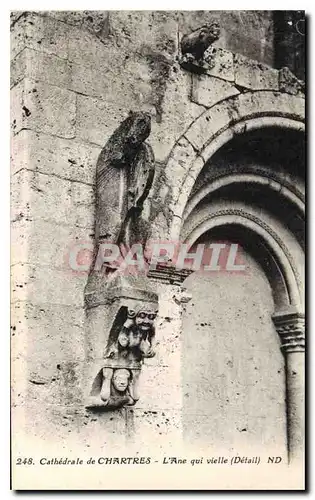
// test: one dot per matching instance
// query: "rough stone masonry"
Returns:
(227, 147)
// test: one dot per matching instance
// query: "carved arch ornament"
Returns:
(237, 216)
(216, 126)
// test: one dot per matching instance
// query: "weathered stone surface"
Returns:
(37, 197)
(47, 323)
(167, 377)
(202, 129)
(207, 90)
(39, 66)
(71, 17)
(188, 183)
(68, 159)
(177, 113)
(161, 426)
(41, 285)
(254, 75)
(289, 83)
(179, 162)
(41, 34)
(51, 243)
(16, 104)
(15, 15)
(122, 61)
(221, 63)
(91, 82)
(215, 62)
(44, 108)
(250, 105)
(256, 103)
(95, 121)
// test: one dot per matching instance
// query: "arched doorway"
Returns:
(236, 376)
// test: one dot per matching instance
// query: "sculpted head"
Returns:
(209, 32)
(140, 127)
(123, 339)
(120, 380)
(145, 319)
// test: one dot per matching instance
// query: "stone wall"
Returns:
(75, 76)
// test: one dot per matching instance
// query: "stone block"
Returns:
(167, 379)
(177, 113)
(39, 66)
(27, 317)
(36, 197)
(73, 18)
(42, 285)
(68, 159)
(96, 120)
(17, 68)
(44, 108)
(91, 82)
(51, 243)
(289, 83)
(55, 360)
(254, 75)
(140, 30)
(221, 63)
(207, 90)
(264, 101)
(178, 165)
(85, 49)
(208, 124)
(239, 43)
(40, 33)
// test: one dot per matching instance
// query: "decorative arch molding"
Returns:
(217, 126)
(276, 246)
(278, 186)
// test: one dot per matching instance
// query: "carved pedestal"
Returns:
(123, 309)
(291, 329)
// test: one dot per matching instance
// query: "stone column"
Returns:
(291, 329)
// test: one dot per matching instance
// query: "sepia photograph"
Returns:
(157, 250)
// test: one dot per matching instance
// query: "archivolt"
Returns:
(218, 125)
(264, 180)
(276, 246)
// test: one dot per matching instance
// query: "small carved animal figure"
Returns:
(197, 42)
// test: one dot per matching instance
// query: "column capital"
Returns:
(290, 326)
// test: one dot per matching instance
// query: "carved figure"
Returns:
(124, 175)
(132, 338)
(197, 42)
(111, 389)
(136, 338)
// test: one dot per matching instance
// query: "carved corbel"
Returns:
(131, 340)
(123, 304)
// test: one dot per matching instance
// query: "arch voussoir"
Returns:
(218, 125)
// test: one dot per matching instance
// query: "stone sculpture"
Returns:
(132, 338)
(196, 43)
(124, 175)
